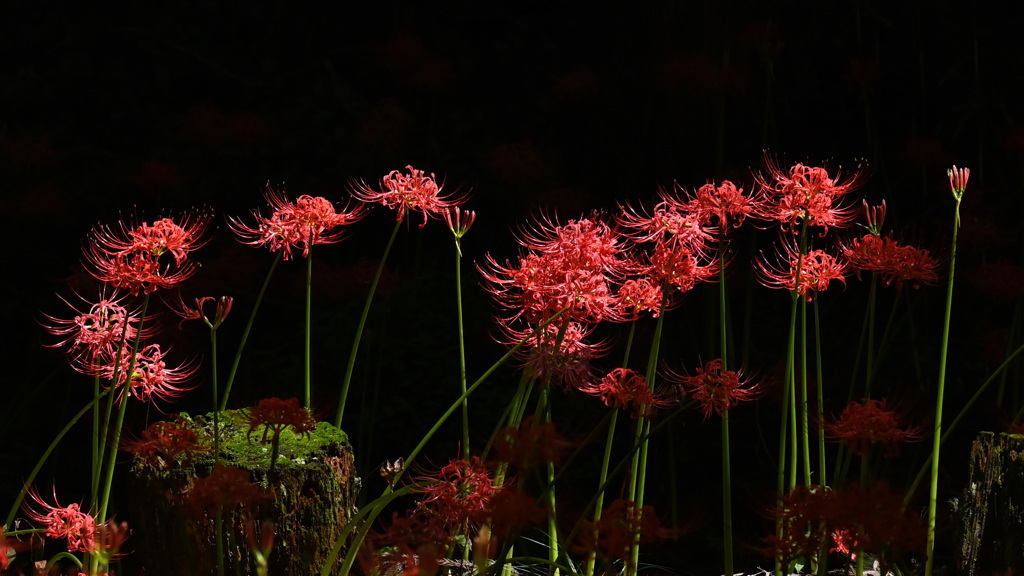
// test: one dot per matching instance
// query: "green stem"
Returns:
(309, 313)
(216, 411)
(245, 334)
(823, 475)
(937, 436)
(462, 350)
(362, 324)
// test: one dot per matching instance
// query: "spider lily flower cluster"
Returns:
(574, 282)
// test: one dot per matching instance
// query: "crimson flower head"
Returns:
(412, 192)
(893, 262)
(275, 415)
(151, 378)
(458, 492)
(163, 442)
(93, 336)
(958, 181)
(715, 388)
(816, 269)
(726, 202)
(556, 355)
(625, 388)
(864, 424)
(67, 522)
(674, 222)
(133, 257)
(806, 193)
(301, 224)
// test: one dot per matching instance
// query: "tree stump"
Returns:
(990, 516)
(309, 498)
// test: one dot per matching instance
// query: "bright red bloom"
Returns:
(93, 337)
(459, 492)
(625, 388)
(275, 415)
(226, 486)
(569, 266)
(131, 258)
(637, 295)
(817, 268)
(894, 263)
(151, 378)
(415, 192)
(163, 442)
(715, 388)
(680, 266)
(726, 202)
(864, 424)
(67, 522)
(806, 193)
(569, 363)
(674, 222)
(301, 224)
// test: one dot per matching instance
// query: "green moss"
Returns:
(243, 448)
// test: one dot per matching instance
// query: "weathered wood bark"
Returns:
(309, 497)
(990, 515)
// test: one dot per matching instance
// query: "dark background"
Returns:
(530, 106)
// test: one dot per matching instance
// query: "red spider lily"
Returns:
(415, 192)
(726, 202)
(679, 266)
(864, 424)
(569, 266)
(894, 263)
(151, 378)
(187, 313)
(638, 295)
(624, 388)
(568, 363)
(459, 221)
(131, 258)
(163, 442)
(806, 193)
(275, 415)
(674, 222)
(612, 536)
(875, 217)
(67, 522)
(94, 336)
(108, 539)
(531, 445)
(958, 180)
(226, 486)
(415, 543)
(817, 269)
(716, 389)
(458, 492)
(307, 221)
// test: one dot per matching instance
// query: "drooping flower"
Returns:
(151, 378)
(291, 225)
(894, 263)
(806, 193)
(864, 424)
(67, 522)
(275, 415)
(132, 258)
(412, 192)
(93, 336)
(623, 388)
(817, 269)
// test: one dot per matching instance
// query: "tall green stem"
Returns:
(245, 333)
(309, 313)
(462, 350)
(362, 324)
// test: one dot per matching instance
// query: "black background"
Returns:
(555, 107)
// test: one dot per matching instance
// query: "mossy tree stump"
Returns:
(990, 516)
(309, 497)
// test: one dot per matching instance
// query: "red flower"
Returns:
(163, 442)
(508, 510)
(862, 425)
(569, 363)
(891, 261)
(67, 522)
(625, 388)
(674, 222)
(131, 258)
(94, 337)
(413, 192)
(151, 378)
(226, 486)
(958, 180)
(187, 313)
(459, 492)
(806, 193)
(612, 535)
(716, 389)
(817, 268)
(637, 295)
(303, 223)
(726, 202)
(276, 414)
